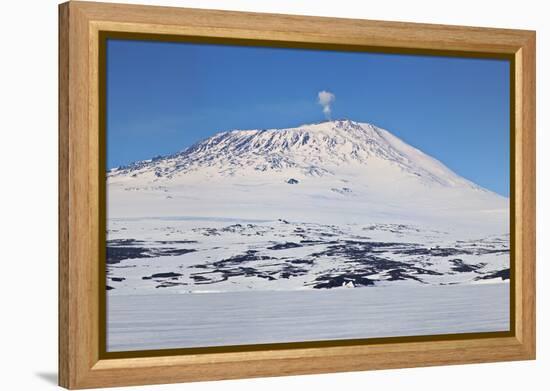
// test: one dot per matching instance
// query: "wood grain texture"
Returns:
(63, 221)
(80, 365)
(526, 205)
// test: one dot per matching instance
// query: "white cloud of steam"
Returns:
(325, 99)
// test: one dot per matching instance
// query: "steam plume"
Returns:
(325, 99)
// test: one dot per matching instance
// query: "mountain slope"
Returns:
(339, 171)
(315, 150)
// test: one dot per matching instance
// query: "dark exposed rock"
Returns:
(302, 261)
(401, 274)
(117, 254)
(502, 274)
(169, 284)
(283, 246)
(460, 266)
(176, 241)
(119, 250)
(292, 271)
(327, 282)
(434, 252)
(162, 275)
(124, 242)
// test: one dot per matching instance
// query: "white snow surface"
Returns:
(145, 322)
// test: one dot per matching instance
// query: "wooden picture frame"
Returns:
(83, 364)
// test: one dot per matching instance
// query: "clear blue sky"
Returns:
(163, 97)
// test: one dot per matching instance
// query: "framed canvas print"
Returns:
(249, 195)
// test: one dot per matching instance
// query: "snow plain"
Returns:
(145, 322)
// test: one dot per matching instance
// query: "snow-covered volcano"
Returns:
(336, 171)
(322, 149)
(289, 214)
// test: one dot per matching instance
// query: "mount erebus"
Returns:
(326, 205)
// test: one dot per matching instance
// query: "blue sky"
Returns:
(163, 97)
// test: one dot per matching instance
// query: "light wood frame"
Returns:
(81, 364)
